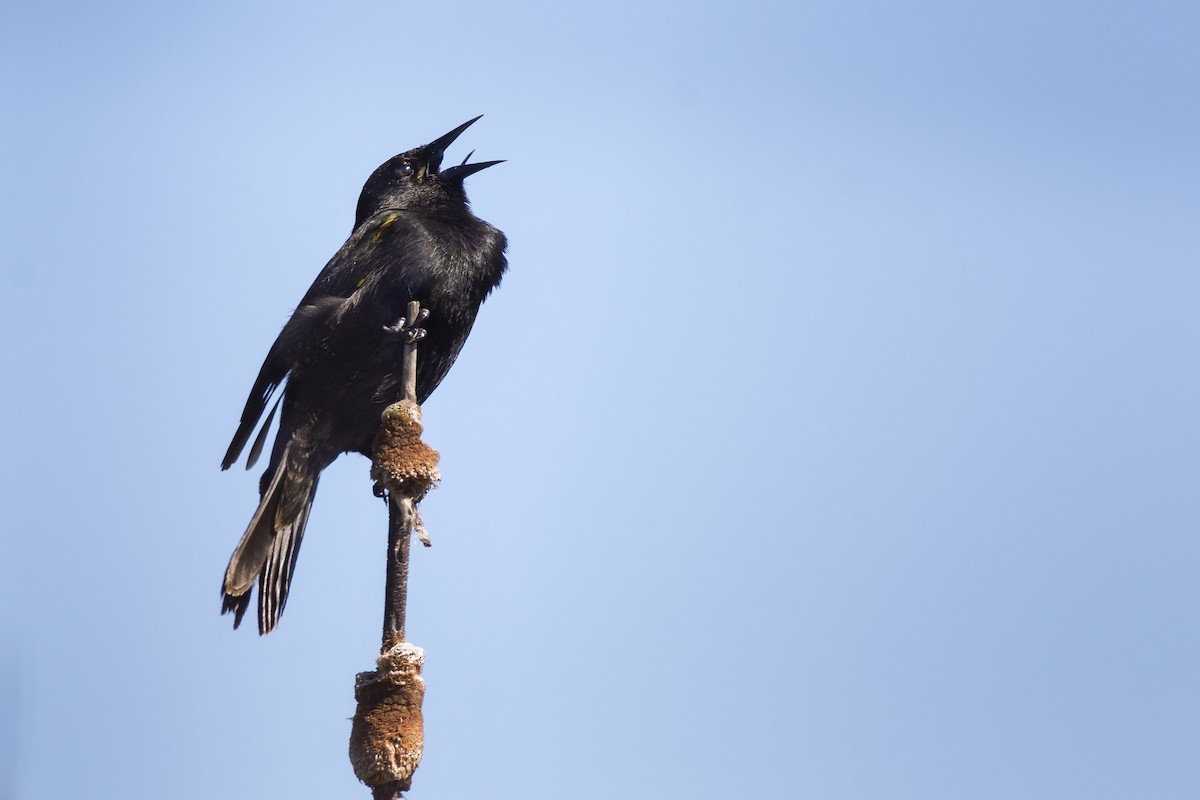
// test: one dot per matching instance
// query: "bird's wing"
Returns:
(275, 368)
(376, 247)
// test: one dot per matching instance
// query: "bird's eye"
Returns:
(406, 169)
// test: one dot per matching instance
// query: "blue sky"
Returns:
(834, 433)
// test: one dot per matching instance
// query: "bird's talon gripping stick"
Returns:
(406, 332)
(386, 738)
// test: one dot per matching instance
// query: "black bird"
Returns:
(414, 238)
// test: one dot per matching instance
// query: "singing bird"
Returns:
(338, 359)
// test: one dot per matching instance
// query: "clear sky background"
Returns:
(833, 435)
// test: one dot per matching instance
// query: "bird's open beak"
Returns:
(437, 148)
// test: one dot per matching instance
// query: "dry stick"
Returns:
(408, 370)
(387, 736)
(400, 516)
(399, 537)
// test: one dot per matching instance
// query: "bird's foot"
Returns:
(405, 331)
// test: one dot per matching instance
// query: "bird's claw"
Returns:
(405, 332)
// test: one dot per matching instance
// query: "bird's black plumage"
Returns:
(414, 238)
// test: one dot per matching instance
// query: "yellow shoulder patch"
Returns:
(383, 228)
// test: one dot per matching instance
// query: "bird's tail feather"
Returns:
(267, 551)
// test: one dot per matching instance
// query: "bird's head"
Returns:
(415, 179)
